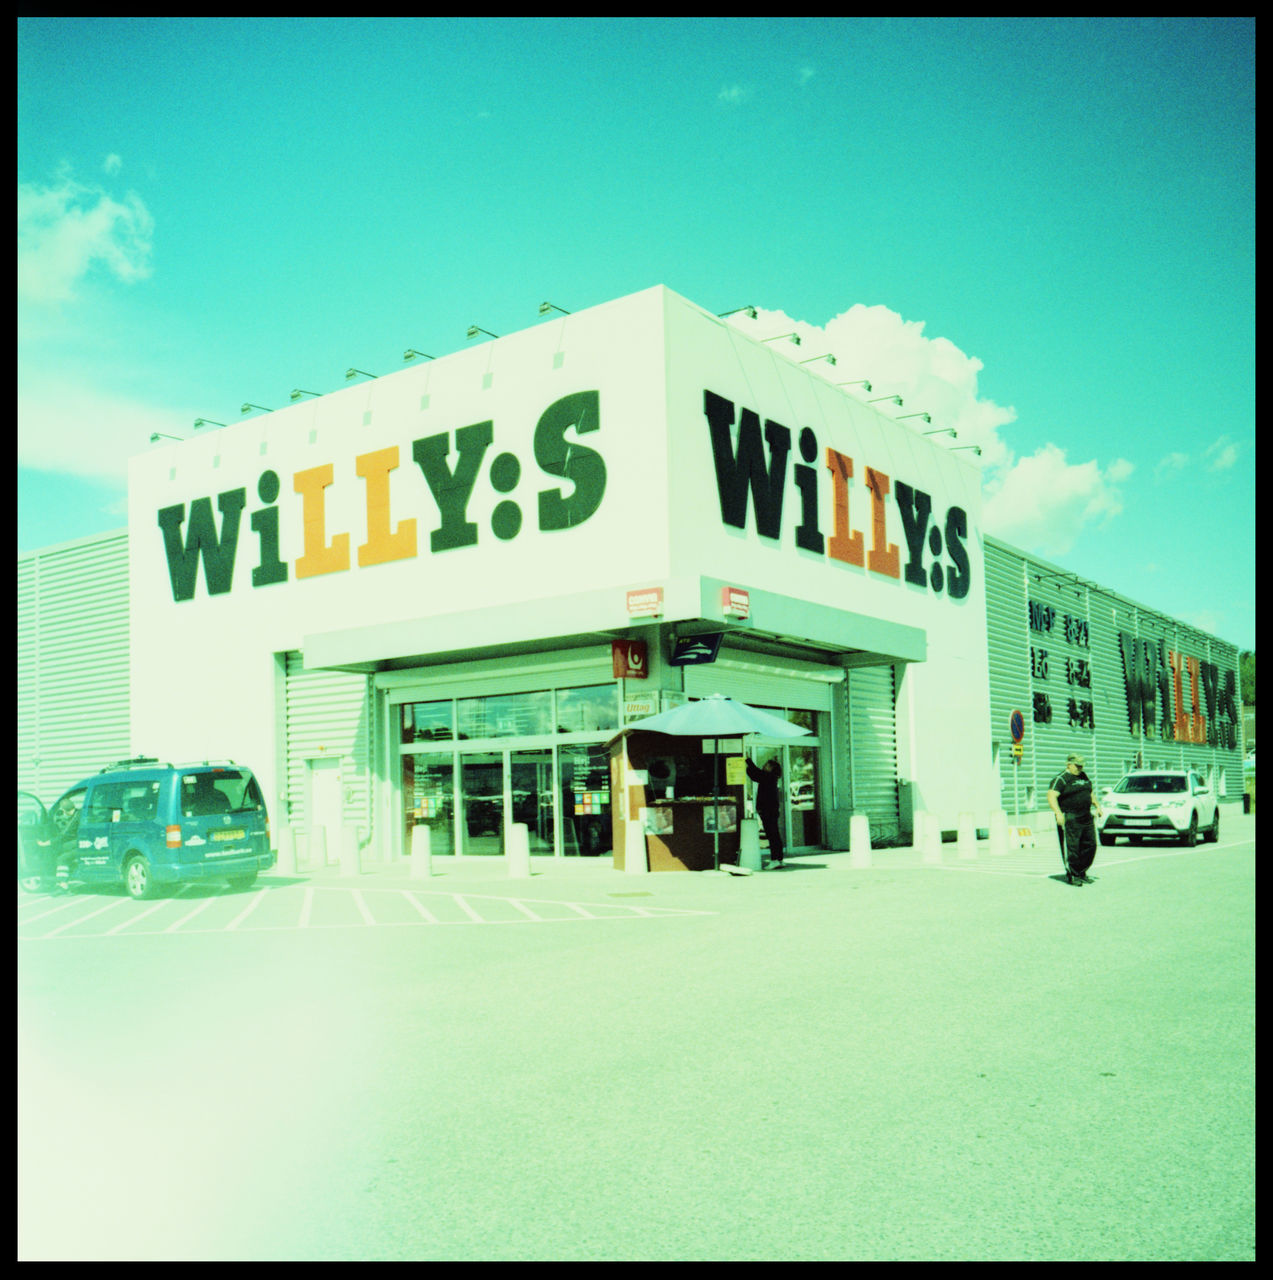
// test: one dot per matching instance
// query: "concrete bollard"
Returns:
(998, 833)
(932, 839)
(749, 844)
(517, 850)
(350, 862)
(316, 853)
(967, 838)
(421, 852)
(635, 858)
(859, 841)
(286, 864)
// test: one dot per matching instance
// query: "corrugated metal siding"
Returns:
(1014, 581)
(73, 662)
(873, 746)
(759, 689)
(329, 715)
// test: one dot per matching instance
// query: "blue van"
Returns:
(145, 824)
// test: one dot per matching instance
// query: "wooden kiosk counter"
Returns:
(664, 784)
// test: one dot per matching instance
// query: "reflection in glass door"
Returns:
(805, 822)
(531, 783)
(428, 795)
(482, 802)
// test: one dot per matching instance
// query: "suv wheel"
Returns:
(1213, 831)
(1190, 838)
(137, 878)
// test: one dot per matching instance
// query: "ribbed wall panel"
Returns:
(873, 746)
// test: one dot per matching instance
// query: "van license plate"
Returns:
(227, 835)
(1131, 822)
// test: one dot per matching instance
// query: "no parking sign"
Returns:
(1016, 724)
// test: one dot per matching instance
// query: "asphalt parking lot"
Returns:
(964, 1060)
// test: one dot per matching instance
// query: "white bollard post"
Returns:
(286, 865)
(350, 863)
(749, 844)
(859, 841)
(421, 852)
(998, 833)
(967, 839)
(517, 850)
(635, 857)
(316, 854)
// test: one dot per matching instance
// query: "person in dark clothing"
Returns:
(767, 804)
(1072, 799)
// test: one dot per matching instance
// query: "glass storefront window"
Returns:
(428, 797)
(427, 722)
(584, 771)
(587, 710)
(507, 715)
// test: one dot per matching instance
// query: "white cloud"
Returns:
(1172, 462)
(734, 94)
(805, 74)
(112, 164)
(68, 229)
(1221, 454)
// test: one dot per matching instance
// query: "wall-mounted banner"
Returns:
(696, 650)
(630, 659)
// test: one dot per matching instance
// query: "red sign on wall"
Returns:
(630, 659)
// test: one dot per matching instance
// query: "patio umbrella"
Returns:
(718, 717)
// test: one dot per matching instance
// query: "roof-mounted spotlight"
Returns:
(546, 307)
(354, 373)
(207, 422)
(940, 431)
(474, 331)
(976, 448)
(904, 416)
(247, 407)
(861, 382)
(829, 358)
(410, 354)
(886, 400)
(297, 392)
(749, 312)
(163, 435)
(795, 338)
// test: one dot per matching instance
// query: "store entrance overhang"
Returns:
(584, 617)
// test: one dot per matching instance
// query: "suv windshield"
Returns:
(1149, 782)
(225, 791)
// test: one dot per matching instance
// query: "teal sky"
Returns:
(1042, 230)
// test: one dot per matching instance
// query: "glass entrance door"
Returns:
(530, 776)
(482, 803)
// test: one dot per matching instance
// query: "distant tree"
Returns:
(1246, 665)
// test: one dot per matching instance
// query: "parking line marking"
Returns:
(361, 904)
(464, 906)
(247, 911)
(574, 906)
(61, 906)
(133, 920)
(306, 907)
(415, 902)
(80, 919)
(190, 915)
(526, 911)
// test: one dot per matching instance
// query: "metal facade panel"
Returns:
(760, 689)
(873, 746)
(73, 662)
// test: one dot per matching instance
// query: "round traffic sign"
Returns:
(1017, 724)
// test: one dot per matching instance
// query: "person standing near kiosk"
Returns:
(768, 802)
(1072, 798)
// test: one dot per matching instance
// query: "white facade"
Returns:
(474, 516)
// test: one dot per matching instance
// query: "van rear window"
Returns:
(226, 791)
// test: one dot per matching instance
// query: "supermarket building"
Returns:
(433, 597)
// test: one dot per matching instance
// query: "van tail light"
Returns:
(174, 837)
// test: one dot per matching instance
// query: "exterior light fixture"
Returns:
(829, 358)
(297, 392)
(861, 382)
(749, 312)
(353, 373)
(247, 407)
(795, 338)
(954, 435)
(162, 435)
(207, 422)
(474, 331)
(886, 400)
(546, 307)
(410, 354)
(904, 416)
(976, 448)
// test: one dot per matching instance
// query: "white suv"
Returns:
(1173, 803)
